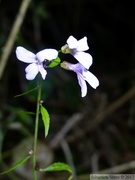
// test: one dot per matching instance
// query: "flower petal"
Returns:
(82, 44)
(72, 42)
(31, 71)
(83, 85)
(84, 58)
(42, 71)
(25, 55)
(48, 54)
(91, 79)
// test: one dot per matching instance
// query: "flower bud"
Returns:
(65, 65)
(65, 49)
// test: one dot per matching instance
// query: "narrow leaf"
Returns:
(26, 92)
(45, 118)
(16, 165)
(55, 62)
(58, 167)
(26, 112)
(29, 112)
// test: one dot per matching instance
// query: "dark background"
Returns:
(102, 138)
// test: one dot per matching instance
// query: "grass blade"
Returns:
(22, 161)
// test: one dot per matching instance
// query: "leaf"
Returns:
(55, 62)
(58, 167)
(16, 165)
(26, 92)
(29, 112)
(45, 118)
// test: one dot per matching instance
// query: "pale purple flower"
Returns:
(35, 60)
(83, 75)
(76, 48)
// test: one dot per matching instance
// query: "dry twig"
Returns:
(12, 36)
(98, 118)
(65, 129)
(114, 170)
(68, 156)
(94, 122)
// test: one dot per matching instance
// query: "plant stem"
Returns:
(36, 130)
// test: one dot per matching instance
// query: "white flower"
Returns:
(35, 60)
(83, 75)
(76, 48)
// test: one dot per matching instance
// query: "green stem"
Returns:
(36, 130)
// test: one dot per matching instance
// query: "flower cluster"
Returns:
(73, 47)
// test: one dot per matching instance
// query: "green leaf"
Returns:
(45, 118)
(26, 92)
(16, 165)
(29, 112)
(58, 167)
(55, 62)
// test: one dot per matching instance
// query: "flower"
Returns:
(76, 48)
(35, 60)
(83, 75)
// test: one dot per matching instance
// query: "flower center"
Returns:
(37, 61)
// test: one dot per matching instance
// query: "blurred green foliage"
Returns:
(109, 27)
